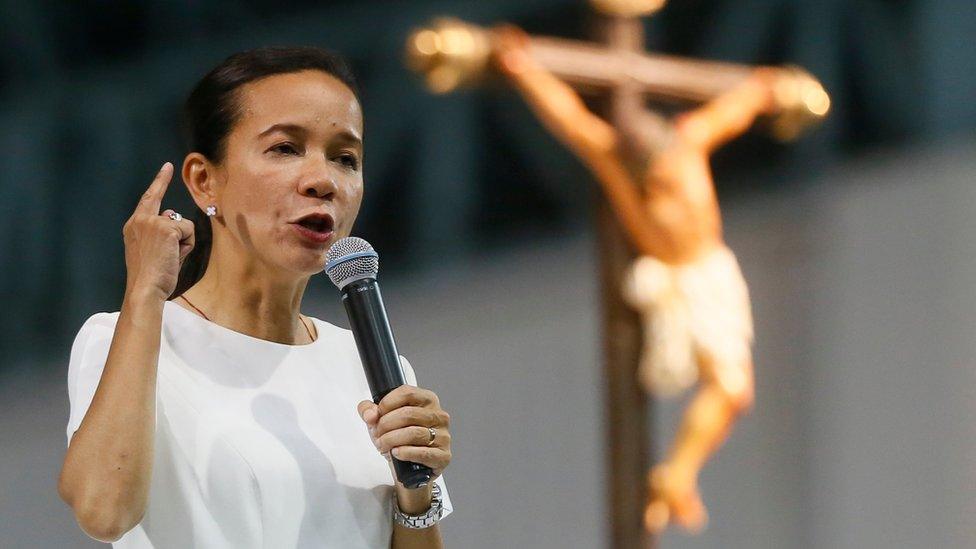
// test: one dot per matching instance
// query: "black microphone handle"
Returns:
(381, 362)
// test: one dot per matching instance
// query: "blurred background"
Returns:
(855, 240)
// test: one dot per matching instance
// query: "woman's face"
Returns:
(296, 149)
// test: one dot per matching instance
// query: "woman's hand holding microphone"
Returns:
(410, 423)
(155, 243)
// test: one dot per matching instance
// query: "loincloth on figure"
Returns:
(692, 313)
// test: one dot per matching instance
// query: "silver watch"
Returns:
(425, 520)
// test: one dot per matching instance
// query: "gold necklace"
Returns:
(310, 336)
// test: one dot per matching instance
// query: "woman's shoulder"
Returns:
(86, 361)
(332, 332)
(97, 323)
(95, 332)
(103, 317)
(338, 336)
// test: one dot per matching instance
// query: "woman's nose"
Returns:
(319, 183)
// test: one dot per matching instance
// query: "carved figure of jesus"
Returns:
(685, 283)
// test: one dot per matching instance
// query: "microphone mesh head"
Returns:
(350, 259)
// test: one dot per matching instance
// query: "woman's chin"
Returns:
(314, 268)
(306, 262)
(308, 257)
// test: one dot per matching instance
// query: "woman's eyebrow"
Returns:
(346, 135)
(285, 127)
(297, 129)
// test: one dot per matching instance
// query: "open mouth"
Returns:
(316, 227)
(317, 224)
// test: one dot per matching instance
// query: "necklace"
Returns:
(310, 336)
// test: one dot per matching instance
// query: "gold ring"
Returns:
(433, 433)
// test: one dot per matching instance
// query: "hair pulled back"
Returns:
(213, 107)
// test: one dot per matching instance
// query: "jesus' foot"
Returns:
(674, 498)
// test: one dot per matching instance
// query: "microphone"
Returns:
(352, 265)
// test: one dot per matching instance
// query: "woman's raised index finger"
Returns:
(153, 197)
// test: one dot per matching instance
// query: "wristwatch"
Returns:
(425, 520)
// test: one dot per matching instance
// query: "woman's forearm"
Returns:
(107, 468)
(414, 502)
(409, 538)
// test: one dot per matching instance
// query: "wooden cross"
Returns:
(452, 53)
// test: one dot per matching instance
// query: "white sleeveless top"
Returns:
(257, 443)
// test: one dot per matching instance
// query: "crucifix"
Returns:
(678, 313)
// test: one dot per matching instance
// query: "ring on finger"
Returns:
(175, 216)
(433, 433)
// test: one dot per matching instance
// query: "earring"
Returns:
(211, 210)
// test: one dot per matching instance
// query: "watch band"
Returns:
(424, 520)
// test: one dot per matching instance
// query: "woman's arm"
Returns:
(401, 425)
(415, 502)
(407, 538)
(106, 471)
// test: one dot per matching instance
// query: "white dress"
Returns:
(257, 443)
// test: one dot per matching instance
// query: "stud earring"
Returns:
(211, 210)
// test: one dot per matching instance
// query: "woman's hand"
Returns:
(400, 424)
(155, 245)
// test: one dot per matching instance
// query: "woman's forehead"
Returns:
(308, 98)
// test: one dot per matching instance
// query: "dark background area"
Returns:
(90, 91)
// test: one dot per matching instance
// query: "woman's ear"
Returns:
(200, 178)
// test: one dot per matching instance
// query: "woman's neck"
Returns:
(245, 300)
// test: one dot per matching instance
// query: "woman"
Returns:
(208, 412)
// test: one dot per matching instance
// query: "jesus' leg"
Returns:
(722, 398)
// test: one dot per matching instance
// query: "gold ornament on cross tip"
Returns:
(449, 53)
(802, 100)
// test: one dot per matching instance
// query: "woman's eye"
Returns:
(285, 148)
(350, 161)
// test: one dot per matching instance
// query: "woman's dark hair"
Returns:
(212, 109)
